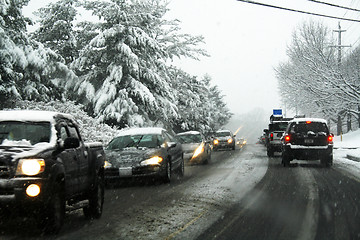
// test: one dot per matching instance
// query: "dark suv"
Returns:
(307, 139)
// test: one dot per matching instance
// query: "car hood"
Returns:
(189, 146)
(12, 153)
(130, 157)
(223, 138)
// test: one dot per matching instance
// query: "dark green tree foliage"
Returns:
(27, 69)
(56, 28)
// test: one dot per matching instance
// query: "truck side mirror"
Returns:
(71, 142)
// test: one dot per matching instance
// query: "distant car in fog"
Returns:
(143, 152)
(196, 148)
(241, 142)
(224, 139)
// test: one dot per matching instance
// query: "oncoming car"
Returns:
(143, 152)
(196, 148)
(224, 139)
(307, 139)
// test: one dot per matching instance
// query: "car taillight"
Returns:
(330, 139)
(271, 136)
(287, 138)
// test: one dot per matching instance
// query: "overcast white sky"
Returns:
(247, 41)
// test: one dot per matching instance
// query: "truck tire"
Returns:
(51, 218)
(96, 199)
(285, 159)
(270, 152)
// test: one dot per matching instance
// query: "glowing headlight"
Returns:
(216, 141)
(30, 167)
(107, 164)
(152, 161)
(198, 150)
(230, 140)
(33, 190)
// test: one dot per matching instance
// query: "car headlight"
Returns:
(230, 140)
(216, 141)
(152, 161)
(30, 167)
(107, 164)
(198, 150)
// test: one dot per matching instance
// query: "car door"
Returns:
(175, 151)
(82, 159)
(69, 159)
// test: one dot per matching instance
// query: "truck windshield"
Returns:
(30, 133)
(280, 126)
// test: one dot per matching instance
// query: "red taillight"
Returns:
(287, 138)
(330, 139)
(271, 136)
(308, 122)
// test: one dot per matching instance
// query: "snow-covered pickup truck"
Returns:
(46, 168)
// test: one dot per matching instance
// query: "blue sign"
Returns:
(277, 112)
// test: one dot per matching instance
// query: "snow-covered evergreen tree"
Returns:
(123, 72)
(28, 70)
(201, 105)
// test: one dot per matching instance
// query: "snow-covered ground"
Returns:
(347, 153)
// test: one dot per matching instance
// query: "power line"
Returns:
(298, 11)
(334, 5)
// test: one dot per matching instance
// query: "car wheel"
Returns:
(96, 200)
(270, 152)
(181, 169)
(327, 161)
(52, 217)
(207, 160)
(285, 160)
(167, 176)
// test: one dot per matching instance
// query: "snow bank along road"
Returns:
(240, 194)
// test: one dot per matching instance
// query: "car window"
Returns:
(148, 141)
(189, 138)
(304, 127)
(222, 134)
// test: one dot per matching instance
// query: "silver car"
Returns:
(196, 148)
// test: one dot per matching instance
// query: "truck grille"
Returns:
(4, 172)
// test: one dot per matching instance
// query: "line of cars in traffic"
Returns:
(299, 138)
(155, 152)
(47, 169)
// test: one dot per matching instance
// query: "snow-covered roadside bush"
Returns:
(91, 129)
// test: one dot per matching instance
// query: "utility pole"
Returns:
(339, 46)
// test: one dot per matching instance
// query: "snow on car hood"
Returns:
(129, 157)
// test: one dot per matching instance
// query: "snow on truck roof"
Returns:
(140, 131)
(31, 115)
(297, 120)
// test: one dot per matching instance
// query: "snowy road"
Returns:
(240, 194)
